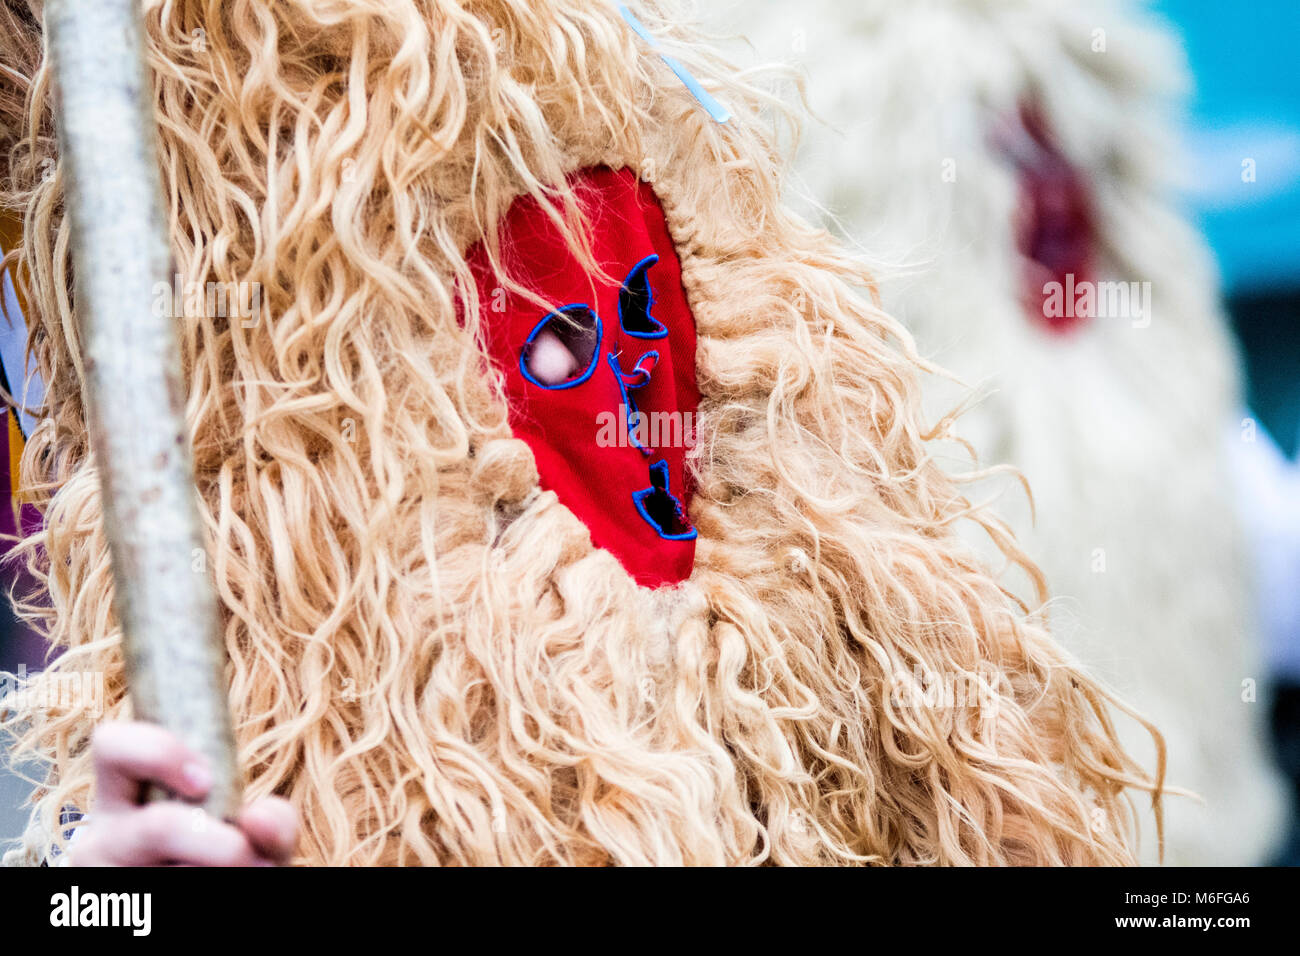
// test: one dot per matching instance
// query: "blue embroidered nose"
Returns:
(638, 377)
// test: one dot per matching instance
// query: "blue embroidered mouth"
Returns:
(661, 509)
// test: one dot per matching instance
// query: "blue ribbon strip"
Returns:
(714, 108)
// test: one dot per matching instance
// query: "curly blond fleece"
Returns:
(1119, 427)
(426, 654)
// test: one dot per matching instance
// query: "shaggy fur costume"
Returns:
(1115, 421)
(428, 656)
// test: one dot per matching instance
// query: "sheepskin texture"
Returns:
(426, 654)
(1116, 425)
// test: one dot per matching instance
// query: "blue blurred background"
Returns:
(1246, 107)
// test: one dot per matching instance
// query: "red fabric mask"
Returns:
(633, 337)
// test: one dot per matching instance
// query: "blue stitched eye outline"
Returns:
(573, 309)
(636, 289)
(660, 483)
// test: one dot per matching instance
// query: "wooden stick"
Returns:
(134, 382)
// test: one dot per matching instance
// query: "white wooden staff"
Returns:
(134, 387)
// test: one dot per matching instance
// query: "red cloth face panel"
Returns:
(610, 437)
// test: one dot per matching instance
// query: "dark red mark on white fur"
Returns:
(1055, 224)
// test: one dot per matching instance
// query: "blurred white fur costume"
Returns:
(1118, 424)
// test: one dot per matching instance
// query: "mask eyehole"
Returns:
(561, 350)
(636, 299)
